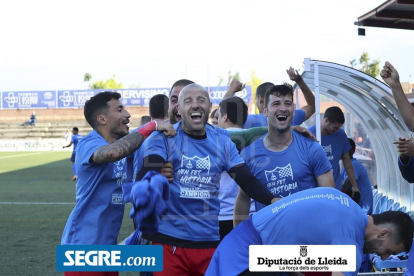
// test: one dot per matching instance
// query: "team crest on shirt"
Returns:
(119, 173)
(328, 151)
(280, 181)
(279, 173)
(196, 163)
(194, 173)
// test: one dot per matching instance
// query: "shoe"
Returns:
(74, 178)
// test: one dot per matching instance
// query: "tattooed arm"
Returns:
(129, 143)
(119, 149)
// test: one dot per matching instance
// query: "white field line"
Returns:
(4, 157)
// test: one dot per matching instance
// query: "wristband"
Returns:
(147, 129)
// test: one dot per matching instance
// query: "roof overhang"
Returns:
(395, 14)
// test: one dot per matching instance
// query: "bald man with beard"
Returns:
(189, 232)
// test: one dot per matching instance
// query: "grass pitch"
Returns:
(36, 198)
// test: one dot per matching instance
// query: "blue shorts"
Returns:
(232, 255)
(72, 158)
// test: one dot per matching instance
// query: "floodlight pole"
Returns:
(308, 62)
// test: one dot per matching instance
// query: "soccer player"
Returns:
(320, 216)
(213, 118)
(189, 232)
(284, 161)
(76, 137)
(232, 114)
(101, 168)
(336, 145)
(362, 179)
(176, 88)
(257, 120)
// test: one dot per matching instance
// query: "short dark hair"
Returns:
(403, 223)
(98, 104)
(236, 110)
(158, 106)
(213, 114)
(353, 147)
(261, 89)
(75, 129)
(279, 90)
(334, 115)
(144, 119)
(182, 82)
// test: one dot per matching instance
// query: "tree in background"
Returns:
(86, 78)
(108, 84)
(366, 66)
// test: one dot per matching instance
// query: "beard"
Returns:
(372, 245)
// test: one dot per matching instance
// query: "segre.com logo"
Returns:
(109, 258)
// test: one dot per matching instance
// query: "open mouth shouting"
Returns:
(281, 118)
(196, 117)
(126, 124)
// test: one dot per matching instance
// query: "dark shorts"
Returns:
(72, 158)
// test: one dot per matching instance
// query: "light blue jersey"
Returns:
(334, 145)
(364, 185)
(289, 171)
(320, 216)
(99, 209)
(260, 120)
(193, 206)
(75, 140)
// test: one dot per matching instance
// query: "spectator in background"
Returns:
(214, 118)
(144, 119)
(32, 120)
(362, 179)
(76, 137)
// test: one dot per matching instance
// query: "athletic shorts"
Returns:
(179, 261)
(72, 158)
(232, 254)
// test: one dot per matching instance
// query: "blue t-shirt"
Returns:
(410, 265)
(193, 206)
(364, 185)
(407, 170)
(320, 216)
(259, 120)
(289, 171)
(334, 145)
(75, 140)
(99, 209)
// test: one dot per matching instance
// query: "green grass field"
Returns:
(36, 198)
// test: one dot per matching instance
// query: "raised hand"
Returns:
(167, 128)
(390, 75)
(236, 86)
(293, 74)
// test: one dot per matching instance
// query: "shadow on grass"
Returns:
(31, 228)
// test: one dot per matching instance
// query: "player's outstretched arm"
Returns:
(129, 143)
(309, 108)
(390, 76)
